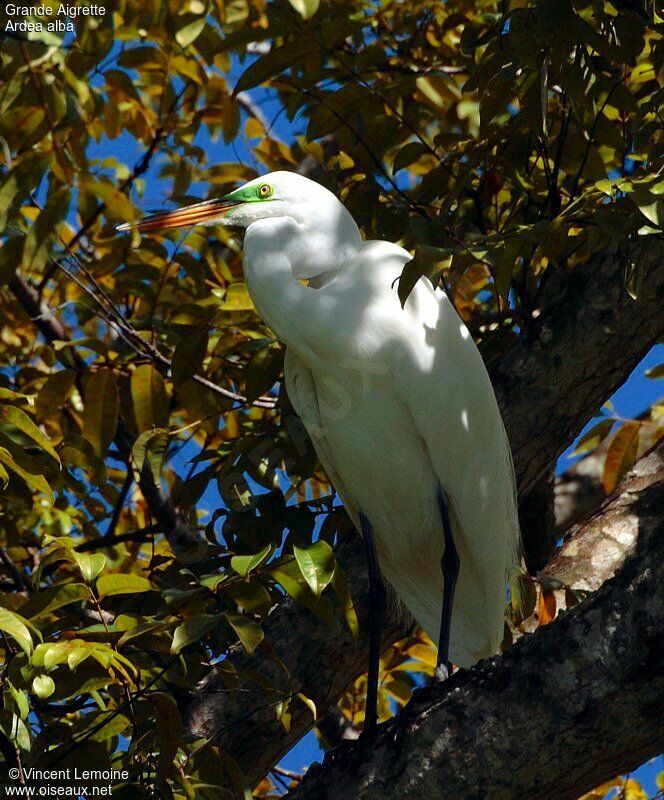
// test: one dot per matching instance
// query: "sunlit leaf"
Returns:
(316, 562)
(123, 584)
(620, 455)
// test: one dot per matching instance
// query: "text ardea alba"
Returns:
(397, 402)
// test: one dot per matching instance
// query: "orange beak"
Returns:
(195, 214)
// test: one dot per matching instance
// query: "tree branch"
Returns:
(589, 685)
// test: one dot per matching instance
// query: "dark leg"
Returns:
(449, 565)
(376, 618)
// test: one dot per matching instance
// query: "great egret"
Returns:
(397, 402)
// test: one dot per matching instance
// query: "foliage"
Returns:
(499, 141)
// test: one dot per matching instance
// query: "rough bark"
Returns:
(560, 712)
(593, 550)
(585, 342)
(589, 336)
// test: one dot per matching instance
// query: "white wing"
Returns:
(302, 393)
(445, 385)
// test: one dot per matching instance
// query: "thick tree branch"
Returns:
(590, 686)
(588, 338)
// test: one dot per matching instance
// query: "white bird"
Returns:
(397, 402)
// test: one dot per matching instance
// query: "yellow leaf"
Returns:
(621, 455)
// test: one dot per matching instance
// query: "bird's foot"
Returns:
(441, 673)
(369, 729)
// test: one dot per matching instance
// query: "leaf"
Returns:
(90, 565)
(248, 630)
(290, 577)
(408, 154)
(8, 191)
(236, 298)
(148, 393)
(316, 562)
(54, 393)
(620, 455)
(309, 703)
(188, 356)
(100, 417)
(79, 452)
(34, 481)
(655, 372)
(13, 625)
(546, 608)
(43, 686)
(54, 597)
(169, 730)
(306, 8)
(193, 629)
(594, 437)
(113, 584)
(242, 790)
(340, 586)
(263, 371)
(151, 446)
(427, 261)
(11, 415)
(244, 564)
(190, 32)
(274, 63)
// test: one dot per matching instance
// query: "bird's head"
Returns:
(327, 226)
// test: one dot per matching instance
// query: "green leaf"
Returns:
(306, 8)
(100, 417)
(13, 625)
(109, 585)
(427, 261)
(54, 393)
(340, 586)
(193, 629)
(290, 577)
(54, 597)
(190, 32)
(263, 371)
(11, 415)
(244, 564)
(8, 192)
(36, 482)
(169, 730)
(188, 356)
(90, 565)
(151, 446)
(79, 452)
(408, 154)
(148, 393)
(248, 630)
(274, 63)
(316, 562)
(43, 686)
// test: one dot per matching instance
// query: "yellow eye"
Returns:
(265, 190)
